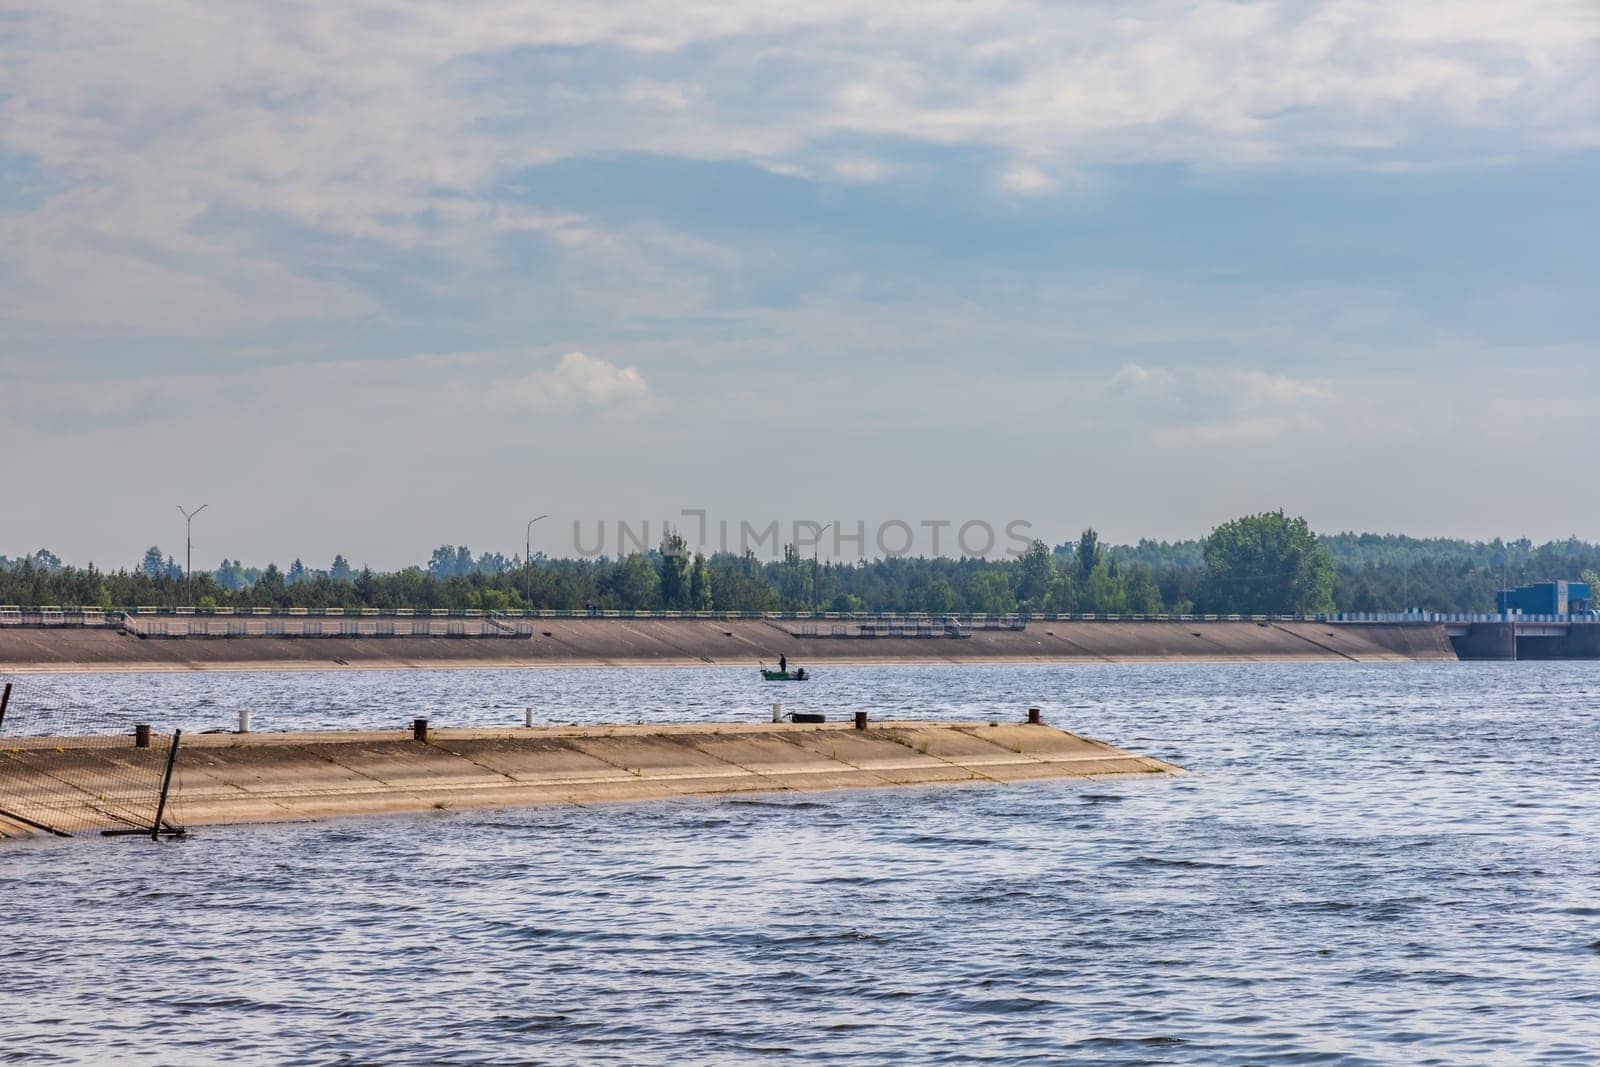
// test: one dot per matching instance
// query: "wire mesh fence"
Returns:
(68, 766)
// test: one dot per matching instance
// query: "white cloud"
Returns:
(857, 169)
(1024, 179)
(1213, 405)
(577, 381)
(151, 130)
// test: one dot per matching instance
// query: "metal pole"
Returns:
(5, 699)
(815, 567)
(188, 547)
(24, 820)
(166, 785)
(527, 557)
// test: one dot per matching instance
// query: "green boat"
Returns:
(797, 675)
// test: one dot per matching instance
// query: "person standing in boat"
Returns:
(783, 663)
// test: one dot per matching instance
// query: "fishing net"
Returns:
(69, 767)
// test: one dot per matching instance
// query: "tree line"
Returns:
(1258, 564)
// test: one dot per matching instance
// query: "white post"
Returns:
(527, 717)
(777, 712)
(244, 720)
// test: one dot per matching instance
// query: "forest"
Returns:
(1267, 563)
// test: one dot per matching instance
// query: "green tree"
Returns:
(632, 584)
(794, 581)
(1267, 564)
(675, 572)
(700, 598)
(1063, 599)
(268, 592)
(1103, 592)
(1144, 595)
(1036, 573)
(990, 593)
(1086, 557)
(936, 597)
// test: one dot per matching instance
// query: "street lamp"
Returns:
(188, 546)
(815, 567)
(527, 557)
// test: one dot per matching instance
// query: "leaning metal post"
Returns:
(5, 698)
(166, 785)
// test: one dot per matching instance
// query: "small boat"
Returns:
(797, 675)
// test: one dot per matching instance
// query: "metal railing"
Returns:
(72, 616)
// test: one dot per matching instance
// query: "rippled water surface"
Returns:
(1369, 864)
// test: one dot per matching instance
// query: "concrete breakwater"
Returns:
(700, 641)
(238, 778)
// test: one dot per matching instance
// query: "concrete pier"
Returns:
(237, 778)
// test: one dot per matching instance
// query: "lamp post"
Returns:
(527, 558)
(815, 566)
(188, 547)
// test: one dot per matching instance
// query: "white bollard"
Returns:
(777, 713)
(244, 720)
(527, 717)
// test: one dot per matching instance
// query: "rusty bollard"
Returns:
(419, 729)
(141, 735)
(1034, 718)
(861, 720)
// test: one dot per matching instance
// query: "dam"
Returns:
(63, 641)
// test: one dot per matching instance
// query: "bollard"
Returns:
(141, 735)
(777, 712)
(527, 717)
(1033, 717)
(244, 720)
(861, 720)
(419, 729)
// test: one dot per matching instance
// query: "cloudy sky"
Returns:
(371, 277)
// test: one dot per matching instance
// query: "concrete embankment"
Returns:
(694, 642)
(234, 778)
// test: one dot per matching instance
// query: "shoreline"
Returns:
(633, 643)
(303, 666)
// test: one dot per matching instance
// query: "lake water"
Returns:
(1390, 863)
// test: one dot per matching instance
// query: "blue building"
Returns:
(1545, 598)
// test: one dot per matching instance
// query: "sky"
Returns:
(368, 278)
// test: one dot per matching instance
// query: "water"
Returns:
(1369, 864)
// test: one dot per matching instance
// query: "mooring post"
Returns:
(777, 712)
(527, 717)
(166, 784)
(5, 698)
(861, 720)
(244, 720)
(1034, 717)
(419, 729)
(141, 735)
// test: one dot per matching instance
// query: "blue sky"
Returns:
(368, 280)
